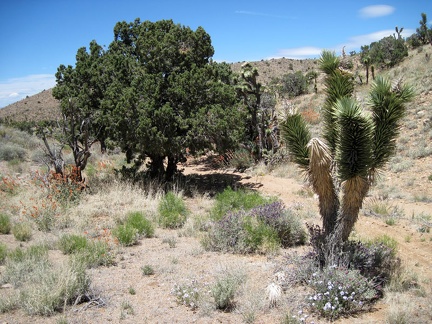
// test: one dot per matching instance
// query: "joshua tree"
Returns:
(342, 167)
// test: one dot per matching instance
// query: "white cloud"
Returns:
(376, 11)
(353, 43)
(15, 89)
(300, 52)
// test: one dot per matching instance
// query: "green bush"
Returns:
(126, 234)
(5, 224)
(293, 84)
(172, 211)
(261, 229)
(71, 243)
(388, 52)
(234, 200)
(138, 221)
(22, 232)
(147, 270)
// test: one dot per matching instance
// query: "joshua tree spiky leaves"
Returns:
(342, 167)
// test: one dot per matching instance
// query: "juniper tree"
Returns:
(355, 146)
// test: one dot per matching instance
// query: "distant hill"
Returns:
(41, 106)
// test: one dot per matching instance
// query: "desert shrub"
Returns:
(11, 151)
(126, 234)
(374, 260)
(187, 294)
(340, 291)
(288, 228)
(240, 159)
(3, 252)
(5, 224)
(147, 270)
(225, 288)
(293, 84)
(260, 229)
(22, 232)
(66, 188)
(172, 211)
(96, 253)
(233, 200)
(21, 264)
(388, 52)
(71, 243)
(8, 185)
(50, 289)
(138, 221)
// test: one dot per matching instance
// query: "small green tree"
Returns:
(423, 32)
(356, 145)
(155, 93)
(388, 52)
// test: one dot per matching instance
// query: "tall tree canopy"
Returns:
(156, 93)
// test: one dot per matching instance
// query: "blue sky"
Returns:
(39, 35)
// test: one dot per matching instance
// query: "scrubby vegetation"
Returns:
(65, 231)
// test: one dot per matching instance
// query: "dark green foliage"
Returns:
(233, 200)
(388, 52)
(354, 143)
(172, 211)
(292, 84)
(388, 108)
(423, 33)
(297, 136)
(155, 92)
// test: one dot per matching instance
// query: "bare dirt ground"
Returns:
(128, 296)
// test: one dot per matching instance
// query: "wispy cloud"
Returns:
(353, 43)
(356, 42)
(262, 14)
(376, 11)
(300, 52)
(12, 90)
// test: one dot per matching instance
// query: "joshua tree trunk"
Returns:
(354, 191)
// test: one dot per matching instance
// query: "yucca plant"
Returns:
(342, 167)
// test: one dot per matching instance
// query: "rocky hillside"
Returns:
(41, 106)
